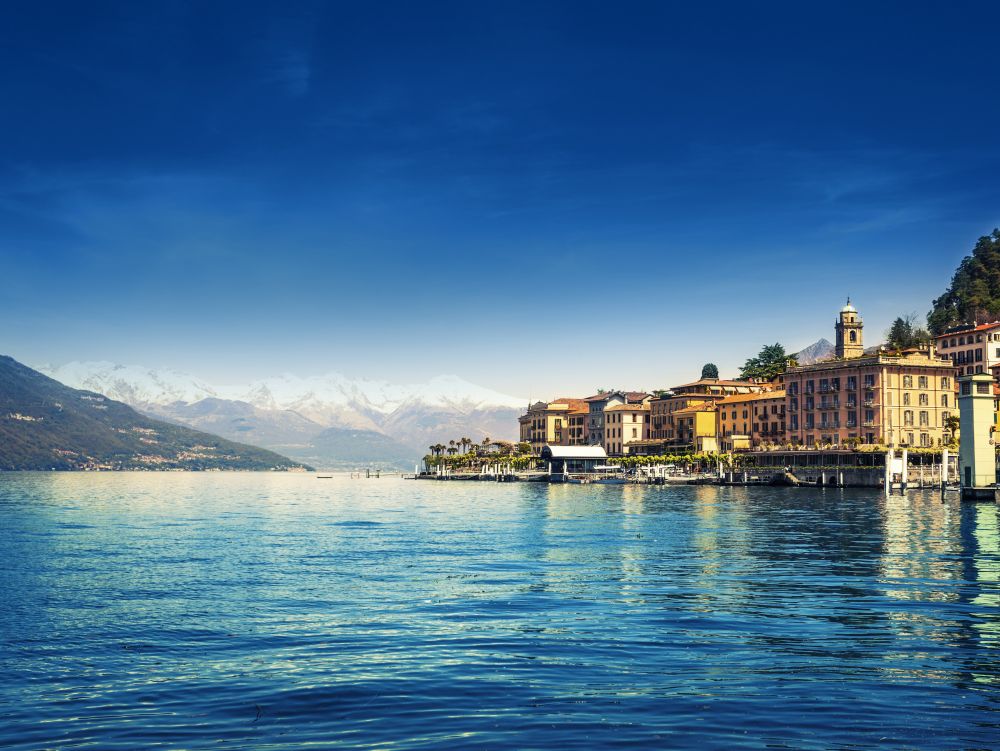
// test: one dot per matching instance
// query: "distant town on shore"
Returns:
(902, 393)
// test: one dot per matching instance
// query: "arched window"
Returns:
(854, 336)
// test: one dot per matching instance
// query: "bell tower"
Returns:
(850, 342)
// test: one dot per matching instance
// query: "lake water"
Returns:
(259, 611)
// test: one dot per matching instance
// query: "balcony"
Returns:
(869, 402)
(829, 405)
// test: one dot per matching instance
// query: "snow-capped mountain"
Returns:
(289, 410)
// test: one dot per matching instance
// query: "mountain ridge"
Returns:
(289, 411)
(46, 425)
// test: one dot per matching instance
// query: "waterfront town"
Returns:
(887, 415)
(882, 397)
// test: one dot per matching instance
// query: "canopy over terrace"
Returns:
(573, 458)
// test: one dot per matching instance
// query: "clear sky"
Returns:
(540, 197)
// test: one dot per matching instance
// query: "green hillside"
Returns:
(46, 425)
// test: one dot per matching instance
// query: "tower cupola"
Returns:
(850, 342)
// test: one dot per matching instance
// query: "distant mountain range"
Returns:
(330, 421)
(47, 425)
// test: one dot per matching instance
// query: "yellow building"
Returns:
(624, 424)
(697, 428)
(549, 423)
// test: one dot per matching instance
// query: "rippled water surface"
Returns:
(265, 611)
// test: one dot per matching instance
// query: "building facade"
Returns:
(625, 423)
(666, 427)
(748, 421)
(548, 423)
(971, 349)
(599, 403)
(900, 399)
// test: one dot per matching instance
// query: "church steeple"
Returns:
(850, 342)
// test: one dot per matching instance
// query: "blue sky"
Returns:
(540, 197)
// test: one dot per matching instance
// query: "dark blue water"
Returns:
(258, 611)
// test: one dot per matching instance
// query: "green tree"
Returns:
(905, 332)
(710, 370)
(974, 293)
(770, 362)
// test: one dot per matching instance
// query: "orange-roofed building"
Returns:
(549, 423)
(748, 421)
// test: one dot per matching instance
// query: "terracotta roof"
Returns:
(714, 382)
(966, 328)
(628, 408)
(571, 404)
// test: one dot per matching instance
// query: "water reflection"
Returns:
(392, 614)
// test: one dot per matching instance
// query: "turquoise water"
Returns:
(258, 611)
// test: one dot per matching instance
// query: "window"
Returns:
(983, 388)
(907, 382)
(906, 398)
(924, 400)
(635, 432)
(924, 419)
(946, 381)
(925, 440)
(944, 417)
(870, 381)
(944, 400)
(908, 417)
(979, 354)
(922, 382)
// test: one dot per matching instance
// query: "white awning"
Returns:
(574, 452)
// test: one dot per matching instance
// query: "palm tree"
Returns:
(486, 444)
(951, 426)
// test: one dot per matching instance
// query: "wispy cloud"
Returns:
(292, 71)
